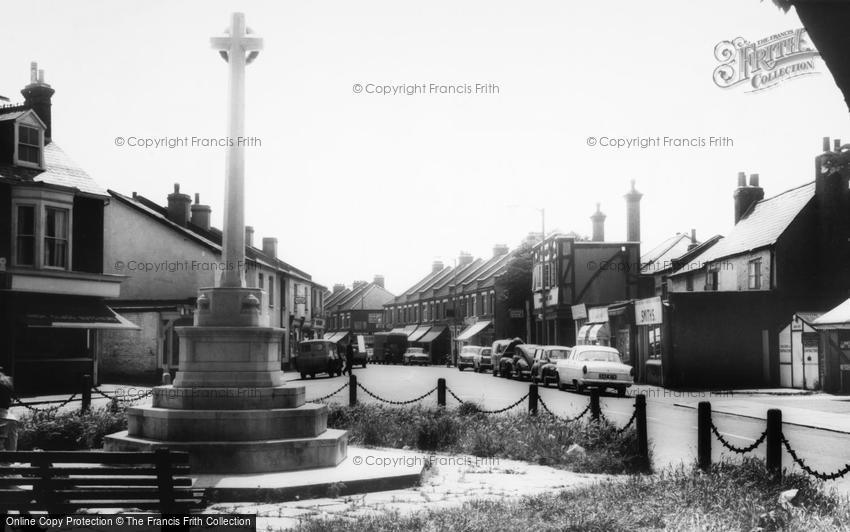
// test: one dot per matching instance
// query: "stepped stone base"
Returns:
(227, 457)
(228, 398)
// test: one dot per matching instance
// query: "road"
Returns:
(672, 429)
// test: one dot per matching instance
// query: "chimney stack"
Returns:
(436, 266)
(464, 258)
(270, 246)
(746, 196)
(200, 214)
(633, 214)
(178, 206)
(499, 250)
(249, 236)
(379, 280)
(338, 287)
(694, 242)
(358, 284)
(37, 96)
(598, 219)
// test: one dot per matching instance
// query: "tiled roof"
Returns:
(59, 170)
(660, 258)
(12, 115)
(763, 224)
(840, 315)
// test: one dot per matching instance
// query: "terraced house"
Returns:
(453, 305)
(358, 310)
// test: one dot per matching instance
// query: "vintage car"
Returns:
(499, 349)
(519, 365)
(416, 355)
(544, 369)
(482, 360)
(318, 356)
(466, 358)
(594, 366)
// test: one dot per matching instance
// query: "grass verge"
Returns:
(739, 496)
(538, 439)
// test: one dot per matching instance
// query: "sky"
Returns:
(355, 184)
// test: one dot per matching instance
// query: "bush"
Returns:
(437, 432)
(70, 430)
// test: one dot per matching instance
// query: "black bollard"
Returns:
(352, 390)
(704, 435)
(441, 392)
(533, 395)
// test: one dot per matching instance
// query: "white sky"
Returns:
(357, 184)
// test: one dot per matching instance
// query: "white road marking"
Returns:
(730, 434)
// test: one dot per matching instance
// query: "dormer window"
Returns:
(27, 131)
(29, 145)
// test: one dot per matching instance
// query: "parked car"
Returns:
(370, 354)
(318, 356)
(499, 349)
(519, 366)
(359, 358)
(594, 366)
(416, 355)
(546, 357)
(466, 358)
(483, 360)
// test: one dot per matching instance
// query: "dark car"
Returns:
(318, 356)
(521, 362)
(545, 368)
(502, 348)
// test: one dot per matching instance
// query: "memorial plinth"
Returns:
(229, 406)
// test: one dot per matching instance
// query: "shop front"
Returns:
(649, 321)
(596, 330)
(799, 354)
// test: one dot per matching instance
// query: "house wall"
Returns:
(130, 354)
(732, 273)
(6, 223)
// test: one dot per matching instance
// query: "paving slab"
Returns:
(362, 471)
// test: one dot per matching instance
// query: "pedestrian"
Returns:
(8, 421)
(349, 358)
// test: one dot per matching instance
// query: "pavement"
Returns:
(449, 481)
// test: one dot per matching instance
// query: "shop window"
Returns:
(56, 238)
(655, 343)
(25, 245)
(754, 274)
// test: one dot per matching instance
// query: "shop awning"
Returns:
(593, 334)
(77, 315)
(336, 336)
(418, 333)
(409, 329)
(398, 330)
(472, 330)
(432, 335)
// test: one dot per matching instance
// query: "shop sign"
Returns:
(579, 311)
(648, 311)
(597, 315)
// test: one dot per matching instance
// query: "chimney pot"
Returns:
(37, 96)
(379, 280)
(754, 180)
(746, 196)
(826, 144)
(742, 179)
(837, 144)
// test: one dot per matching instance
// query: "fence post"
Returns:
(533, 395)
(87, 383)
(773, 452)
(704, 435)
(643, 437)
(595, 410)
(441, 392)
(352, 390)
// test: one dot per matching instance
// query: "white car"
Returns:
(466, 358)
(594, 366)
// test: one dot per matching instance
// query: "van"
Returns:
(318, 356)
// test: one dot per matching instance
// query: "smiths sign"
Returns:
(648, 311)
